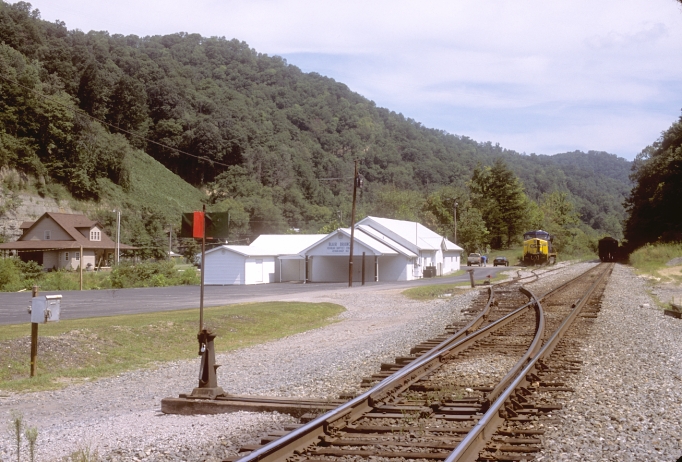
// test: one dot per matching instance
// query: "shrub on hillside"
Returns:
(10, 275)
(655, 256)
(151, 274)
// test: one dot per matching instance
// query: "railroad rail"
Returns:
(478, 393)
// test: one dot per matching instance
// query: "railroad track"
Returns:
(480, 392)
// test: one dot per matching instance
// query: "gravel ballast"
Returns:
(120, 416)
(627, 404)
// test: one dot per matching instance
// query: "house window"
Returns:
(78, 256)
(47, 234)
(95, 235)
(66, 256)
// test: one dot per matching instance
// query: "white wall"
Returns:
(450, 262)
(259, 270)
(394, 268)
(292, 270)
(224, 268)
(328, 269)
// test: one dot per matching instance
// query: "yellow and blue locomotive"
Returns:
(537, 248)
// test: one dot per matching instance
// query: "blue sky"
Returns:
(535, 76)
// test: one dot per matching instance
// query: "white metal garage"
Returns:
(238, 264)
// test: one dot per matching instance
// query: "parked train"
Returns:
(609, 249)
(537, 248)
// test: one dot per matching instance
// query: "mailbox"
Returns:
(45, 308)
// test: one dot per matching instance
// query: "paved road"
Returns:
(93, 303)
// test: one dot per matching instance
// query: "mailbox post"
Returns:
(43, 309)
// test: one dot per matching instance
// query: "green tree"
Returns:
(398, 204)
(440, 206)
(561, 221)
(498, 194)
(472, 234)
(654, 205)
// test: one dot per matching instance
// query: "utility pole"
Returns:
(34, 338)
(203, 268)
(357, 182)
(170, 241)
(118, 235)
(456, 204)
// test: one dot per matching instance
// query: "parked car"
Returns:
(474, 259)
(500, 261)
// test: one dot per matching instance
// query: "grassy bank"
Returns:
(658, 260)
(85, 349)
(445, 290)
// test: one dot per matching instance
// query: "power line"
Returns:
(81, 112)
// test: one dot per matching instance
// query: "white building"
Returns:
(388, 250)
(270, 258)
(430, 248)
(383, 259)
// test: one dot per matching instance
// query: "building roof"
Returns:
(386, 240)
(245, 250)
(377, 247)
(286, 244)
(410, 234)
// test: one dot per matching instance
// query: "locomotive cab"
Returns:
(537, 247)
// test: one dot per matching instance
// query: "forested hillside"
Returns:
(654, 206)
(263, 140)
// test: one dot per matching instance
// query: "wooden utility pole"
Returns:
(456, 204)
(81, 267)
(203, 268)
(352, 226)
(34, 338)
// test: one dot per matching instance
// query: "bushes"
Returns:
(652, 257)
(16, 275)
(10, 276)
(150, 274)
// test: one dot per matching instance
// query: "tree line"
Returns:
(654, 205)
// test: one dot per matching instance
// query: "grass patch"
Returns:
(653, 259)
(431, 292)
(514, 254)
(83, 349)
(435, 291)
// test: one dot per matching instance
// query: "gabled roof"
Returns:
(377, 247)
(410, 234)
(448, 245)
(286, 244)
(386, 240)
(244, 250)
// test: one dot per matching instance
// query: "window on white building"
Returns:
(78, 256)
(66, 256)
(47, 234)
(95, 235)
